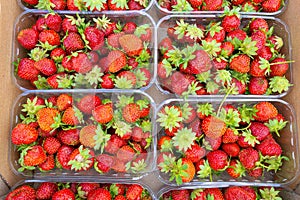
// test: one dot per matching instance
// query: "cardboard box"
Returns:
(9, 10)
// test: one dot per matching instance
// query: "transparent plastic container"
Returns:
(36, 183)
(25, 6)
(280, 29)
(288, 141)
(261, 13)
(116, 170)
(284, 193)
(29, 18)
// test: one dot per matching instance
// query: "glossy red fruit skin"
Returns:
(217, 159)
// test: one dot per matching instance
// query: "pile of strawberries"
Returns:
(199, 141)
(67, 51)
(226, 56)
(83, 190)
(267, 6)
(87, 5)
(229, 193)
(84, 132)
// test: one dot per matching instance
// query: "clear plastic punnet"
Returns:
(89, 7)
(84, 134)
(229, 191)
(83, 188)
(198, 56)
(84, 51)
(233, 142)
(186, 7)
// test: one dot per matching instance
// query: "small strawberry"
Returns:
(104, 163)
(201, 63)
(258, 24)
(180, 82)
(119, 166)
(51, 145)
(180, 194)
(26, 69)
(64, 101)
(87, 134)
(214, 193)
(248, 157)
(258, 85)
(279, 69)
(81, 63)
(113, 39)
(126, 80)
(23, 134)
(64, 194)
(88, 103)
(125, 153)
(45, 190)
(265, 111)
(103, 113)
(218, 160)
(81, 159)
(46, 66)
(131, 113)
(259, 130)
(49, 36)
(84, 189)
(196, 3)
(213, 144)
(129, 27)
(95, 37)
(99, 193)
(73, 42)
(232, 149)
(195, 153)
(53, 21)
(116, 61)
(48, 165)
(240, 63)
(58, 54)
(235, 169)
(212, 5)
(63, 156)
(33, 156)
(231, 20)
(69, 137)
(114, 143)
(68, 25)
(269, 147)
(229, 136)
(134, 191)
(107, 81)
(32, 2)
(271, 5)
(28, 38)
(47, 118)
(257, 172)
(72, 116)
(237, 193)
(25, 192)
(238, 33)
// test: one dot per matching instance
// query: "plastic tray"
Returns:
(168, 12)
(90, 174)
(25, 6)
(280, 29)
(288, 141)
(36, 183)
(28, 18)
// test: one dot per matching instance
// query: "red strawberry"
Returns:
(214, 143)
(256, 172)
(129, 27)
(34, 155)
(237, 193)
(146, 35)
(64, 194)
(70, 117)
(53, 21)
(129, 77)
(104, 162)
(255, 68)
(107, 81)
(279, 69)
(31, 2)
(73, 42)
(248, 157)
(229, 136)
(183, 194)
(95, 37)
(116, 61)
(69, 137)
(265, 111)
(271, 5)
(46, 66)
(240, 63)
(48, 165)
(201, 63)
(45, 190)
(237, 2)
(243, 143)
(46, 118)
(68, 26)
(113, 39)
(51, 145)
(64, 101)
(24, 192)
(238, 33)
(180, 82)
(26, 69)
(196, 3)
(126, 153)
(59, 4)
(119, 166)
(28, 38)
(58, 54)
(232, 149)
(132, 44)
(88, 103)
(213, 127)
(49, 36)
(131, 112)
(214, 193)
(259, 130)
(134, 191)
(103, 113)
(114, 143)
(258, 24)
(67, 64)
(63, 156)
(23, 134)
(99, 193)
(84, 189)
(81, 63)
(265, 52)
(235, 169)
(258, 85)
(217, 159)
(81, 159)
(135, 5)
(269, 147)
(231, 22)
(212, 5)
(195, 153)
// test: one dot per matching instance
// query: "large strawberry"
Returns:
(95, 37)
(28, 38)
(46, 190)
(23, 134)
(132, 44)
(25, 192)
(116, 61)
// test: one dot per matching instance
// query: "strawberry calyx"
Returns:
(275, 126)
(249, 138)
(231, 117)
(81, 161)
(121, 127)
(65, 81)
(205, 171)
(143, 3)
(94, 77)
(123, 83)
(269, 193)
(124, 100)
(94, 4)
(247, 46)
(140, 78)
(191, 90)
(102, 23)
(101, 138)
(31, 108)
(223, 77)
(182, 5)
(272, 162)
(195, 193)
(214, 28)
(247, 113)
(38, 53)
(231, 11)
(204, 77)
(139, 166)
(170, 117)
(211, 47)
(279, 84)
(184, 139)
(205, 109)
(120, 4)
(45, 5)
(141, 30)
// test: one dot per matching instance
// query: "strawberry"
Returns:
(84, 189)
(46, 118)
(259, 130)
(180, 194)
(271, 5)
(81, 63)
(103, 113)
(63, 156)
(73, 42)
(258, 85)
(26, 69)
(134, 191)
(68, 26)
(86, 136)
(232, 149)
(195, 153)
(217, 160)
(95, 37)
(59, 4)
(131, 44)
(229, 136)
(135, 5)
(240, 63)
(28, 38)
(265, 52)
(114, 143)
(107, 81)
(45, 190)
(58, 54)
(81, 159)
(120, 197)
(265, 111)
(125, 153)
(53, 21)
(256, 69)
(104, 163)
(212, 5)
(201, 63)
(131, 113)
(46, 66)
(237, 193)
(260, 38)
(243, 143)
(231, 20)
(214, 193)
(237, 33)
(33, 156)
(257, 172)
(237, 2)
(51, 145)
(49, 36)
(279, 69)
(126, 80)
(180, 82)
(196, 3)
(248, 157)
(65, 193)
(23, 134)
(48, 165)
(88, 103)
(99, 193)
(129, 27)
(32, 2)
(69, 137)
(64, 101)
(113, 39)
(258, 24)
(269, 147)
(117, 5)
(213, 127)
(119, 166)
(24, 192)
(235, 169)
(116, 61)
(71, 116)
(214, 144)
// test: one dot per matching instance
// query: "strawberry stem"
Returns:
(285, 62)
